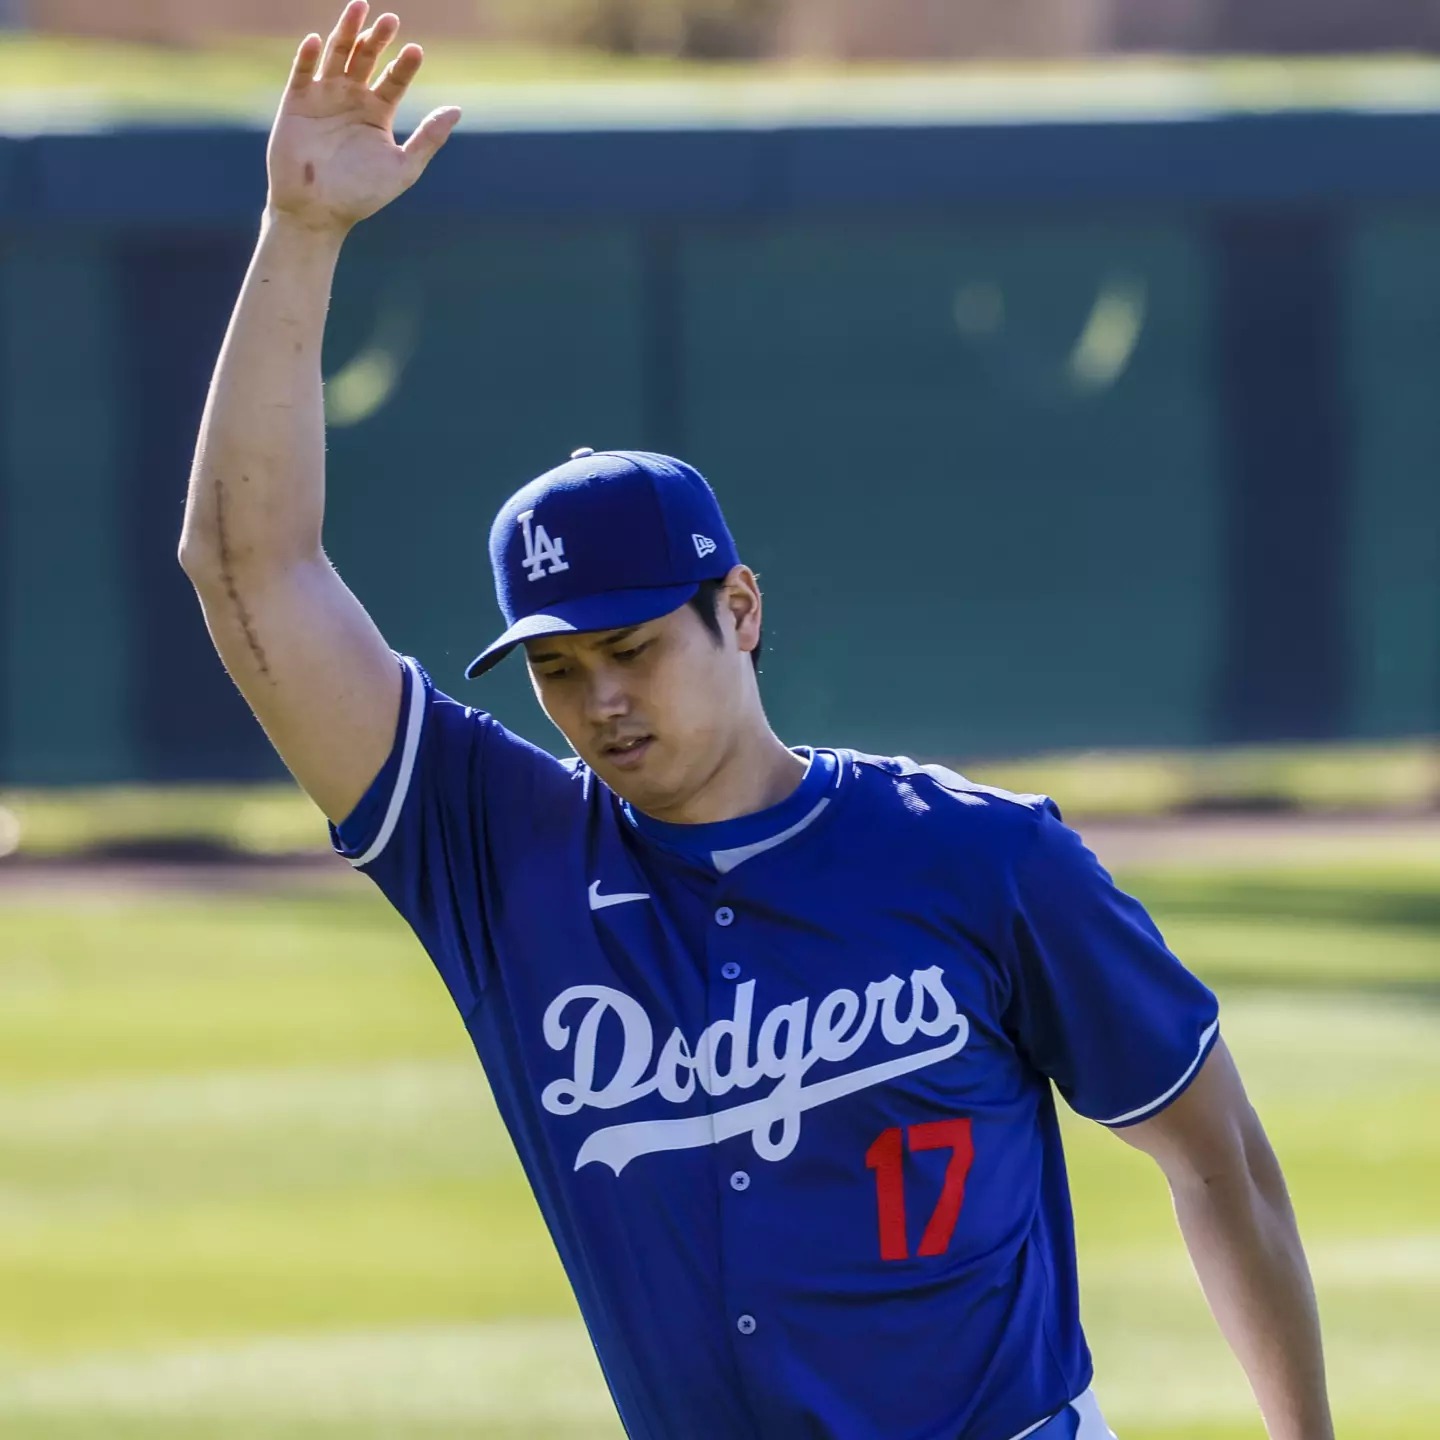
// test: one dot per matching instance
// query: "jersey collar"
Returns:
(723, 844)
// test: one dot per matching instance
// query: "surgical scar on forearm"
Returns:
(232, 589)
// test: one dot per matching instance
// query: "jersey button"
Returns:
(724, 916)
(739, 1181)
(746, 1324)
(730, 970)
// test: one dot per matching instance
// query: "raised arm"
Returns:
(301, 648)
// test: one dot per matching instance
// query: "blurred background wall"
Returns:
(182, 22)
(1040, 436)
(1126, 422)
(857, 29)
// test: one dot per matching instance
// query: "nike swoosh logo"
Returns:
(602, 902)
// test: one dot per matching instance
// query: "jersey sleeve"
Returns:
(1098, 1002)
(459, 803)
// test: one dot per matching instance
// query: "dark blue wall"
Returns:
(1039, 435)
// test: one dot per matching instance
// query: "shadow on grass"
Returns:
(1256, 980)
(1309, 930)
(1390, 904)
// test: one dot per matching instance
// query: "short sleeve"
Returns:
(1099, 1004)
(459, 801)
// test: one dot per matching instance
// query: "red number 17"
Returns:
(886, 1157)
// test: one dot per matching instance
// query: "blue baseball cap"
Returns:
(602, 542)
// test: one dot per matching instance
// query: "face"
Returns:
(655, 710)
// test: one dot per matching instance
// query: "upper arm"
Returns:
(1098, 1003)
(315, 670)
(1209, 1131)
(465, 824)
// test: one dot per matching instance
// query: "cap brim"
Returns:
(612, 610)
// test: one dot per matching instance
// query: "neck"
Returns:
(756, 773)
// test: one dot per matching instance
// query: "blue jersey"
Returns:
(783, 1084)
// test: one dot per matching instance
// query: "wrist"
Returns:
(324, 235)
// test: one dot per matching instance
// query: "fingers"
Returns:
(307, 61)
(342, 39)
(397, 75)
(371, 45)
(432, 132)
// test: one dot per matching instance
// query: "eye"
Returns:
(633, 651)
(559, 674)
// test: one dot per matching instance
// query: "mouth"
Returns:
(628, 754)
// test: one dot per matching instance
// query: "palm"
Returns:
(334, 159)
(334, 150)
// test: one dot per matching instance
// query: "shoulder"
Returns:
(937, 822)
(465, 754)
(948, 844)
(947, 799)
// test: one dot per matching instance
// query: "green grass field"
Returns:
(251, 1183)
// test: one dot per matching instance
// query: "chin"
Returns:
(642, 793)
(657, 783)
(648, 792)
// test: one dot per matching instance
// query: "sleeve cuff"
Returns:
(362, 854)
(1144, 1112)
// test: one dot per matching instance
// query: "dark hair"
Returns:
(706, 604)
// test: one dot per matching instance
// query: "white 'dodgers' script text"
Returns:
(791, 1040)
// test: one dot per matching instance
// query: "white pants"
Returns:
(1092, 1422)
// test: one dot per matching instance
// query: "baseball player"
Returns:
(776, 1031)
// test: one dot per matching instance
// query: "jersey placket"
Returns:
(738, 1173)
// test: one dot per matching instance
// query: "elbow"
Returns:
(208, 554)
(1239, 1169)
(199, 561)
(211, 565)
(188, 556)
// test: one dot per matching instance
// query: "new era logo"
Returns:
(704, 545)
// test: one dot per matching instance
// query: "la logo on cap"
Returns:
(543, 556)
(704, 545)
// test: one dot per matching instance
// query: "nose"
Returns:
(606, 698)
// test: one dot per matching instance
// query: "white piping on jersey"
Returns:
(1092, 1422)
(1038, 1425)
(726, 860)
(1161, 1099)
(1031, 1429)
(413, 722)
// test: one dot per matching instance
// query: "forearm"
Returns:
(1241, 1233)
(257, 487)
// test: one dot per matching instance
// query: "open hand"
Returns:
(334, 160)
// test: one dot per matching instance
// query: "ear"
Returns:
(740, 599)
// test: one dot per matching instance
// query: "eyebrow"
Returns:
(616, 637)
